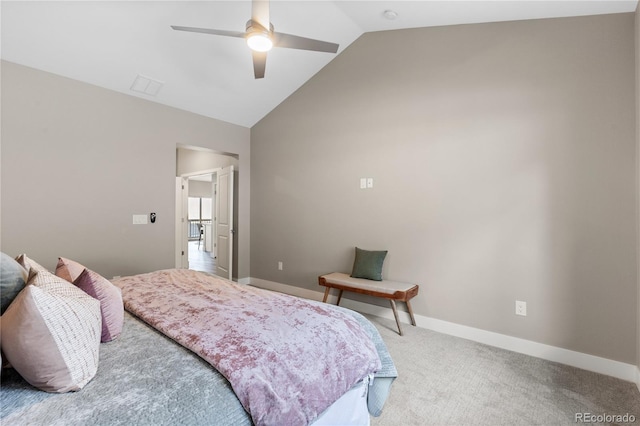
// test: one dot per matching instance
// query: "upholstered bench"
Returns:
(390, 290)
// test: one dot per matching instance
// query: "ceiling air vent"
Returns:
(146, 85)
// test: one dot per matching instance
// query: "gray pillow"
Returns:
(13, 278)
(368, 264)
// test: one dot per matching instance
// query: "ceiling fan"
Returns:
(261, 37)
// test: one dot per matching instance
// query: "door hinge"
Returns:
(183, 252)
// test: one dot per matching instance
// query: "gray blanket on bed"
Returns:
(144, 378)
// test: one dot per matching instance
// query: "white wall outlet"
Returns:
(521, 308)
(369, 182)
(279, 266)
(139, 219)
(363, 183)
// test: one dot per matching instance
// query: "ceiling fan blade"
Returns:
(296, 42)
(259, 63)
(210, 31)
(260, 12)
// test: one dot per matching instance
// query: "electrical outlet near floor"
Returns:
(279, 266)
(521, 308)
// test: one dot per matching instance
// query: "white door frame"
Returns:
(182, 224)
(179, 253)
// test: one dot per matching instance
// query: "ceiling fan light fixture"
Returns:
(260, 37)
(259, 41)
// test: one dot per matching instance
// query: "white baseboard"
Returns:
(620, 370)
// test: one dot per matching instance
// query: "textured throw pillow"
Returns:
(13, 278)
(110, 297)
(368, 264)
(51, 334)
(68, 269)
(29, 263)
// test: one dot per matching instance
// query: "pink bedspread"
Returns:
(286, 358)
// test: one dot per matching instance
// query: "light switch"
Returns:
(363, 183)
(139, 219)
(369, 182)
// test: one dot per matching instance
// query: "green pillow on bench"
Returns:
(368, 264)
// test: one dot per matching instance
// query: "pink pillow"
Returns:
(51, 334)
(68, 269)
(110, 297)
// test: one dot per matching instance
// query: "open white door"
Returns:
(224, 223)
(182, 224)
(214, 191)
(178, 224)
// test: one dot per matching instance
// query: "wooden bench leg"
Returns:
(326, 294)
(395, 314)
(413, 320)
(339, 297)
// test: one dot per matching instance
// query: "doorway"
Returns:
(206, 234)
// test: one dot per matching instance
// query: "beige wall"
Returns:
(78, 161)
(637, 44)
(503, 159)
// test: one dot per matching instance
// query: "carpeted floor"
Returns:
(445, 380)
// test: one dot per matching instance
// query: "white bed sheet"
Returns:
(350, 409)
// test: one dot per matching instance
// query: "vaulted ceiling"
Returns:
(111, 43)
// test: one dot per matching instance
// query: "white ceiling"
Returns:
(109, 43)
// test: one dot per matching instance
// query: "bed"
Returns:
(146, 377)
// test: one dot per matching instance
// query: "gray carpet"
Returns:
(445, 380)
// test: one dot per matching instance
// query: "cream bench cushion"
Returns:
(384, 286)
